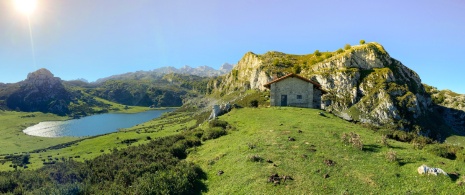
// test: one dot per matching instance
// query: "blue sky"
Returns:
(92, 39)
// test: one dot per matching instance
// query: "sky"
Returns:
(92, 39)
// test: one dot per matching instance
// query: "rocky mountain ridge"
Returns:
(365, 83)
(202, 71)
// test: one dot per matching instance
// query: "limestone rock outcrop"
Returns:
(41, 91)
(365, 83)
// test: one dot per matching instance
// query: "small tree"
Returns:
(297, 69)
(317, 53)
(347, 46)
(362, 42)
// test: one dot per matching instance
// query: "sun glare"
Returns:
(25, 6)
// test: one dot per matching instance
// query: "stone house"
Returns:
(295, 90)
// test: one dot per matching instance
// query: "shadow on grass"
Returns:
(454, 176)
(403, 162)
(371, 148)
(396, 147)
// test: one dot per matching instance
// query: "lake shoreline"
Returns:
(93, 125)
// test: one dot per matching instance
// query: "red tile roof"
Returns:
(268, 85)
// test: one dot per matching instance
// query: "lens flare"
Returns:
(26, 6)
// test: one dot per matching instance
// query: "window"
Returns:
(299, 97)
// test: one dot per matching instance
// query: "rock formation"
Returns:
(365, 84)
(41, 91)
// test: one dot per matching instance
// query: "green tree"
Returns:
(317, 52)
(362, 42)
(347, 46)
(297, 69)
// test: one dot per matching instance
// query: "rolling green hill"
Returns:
(262, 134)
(254, 145)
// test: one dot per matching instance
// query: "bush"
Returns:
(255, 158)
(420, 142)
(339, 50)
(362, 42)
(347, 47)
(353, 139)
(384, 140)
(253, 103)
(445, 150)
(213, 133)
(317, 53)
(391, 156)
(218, 123)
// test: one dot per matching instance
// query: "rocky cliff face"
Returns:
(364, 82)
(450, 106)
(41, 91)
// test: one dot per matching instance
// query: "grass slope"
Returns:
(12, 138)
(264, 132)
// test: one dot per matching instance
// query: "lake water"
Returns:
(92, 125)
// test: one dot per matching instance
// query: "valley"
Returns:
(378, 125)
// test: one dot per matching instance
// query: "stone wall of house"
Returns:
(292, 87)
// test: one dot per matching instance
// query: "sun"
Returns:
(25, 6)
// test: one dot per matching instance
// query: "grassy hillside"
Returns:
(13, 140)
(317, 161)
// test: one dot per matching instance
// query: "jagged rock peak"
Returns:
(41, 77)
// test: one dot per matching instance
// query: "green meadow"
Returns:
(317, 161)
(14, 141)
(303, 145)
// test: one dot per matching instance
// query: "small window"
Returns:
(299, 97)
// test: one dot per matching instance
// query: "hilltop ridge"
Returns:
(365, 85)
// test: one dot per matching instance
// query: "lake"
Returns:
(92, 125)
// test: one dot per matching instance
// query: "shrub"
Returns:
(347, 47)
(255, 158)
(218, 123)
(391, 156)
(339, 50)
(445, 150)
(353, 139)
(213, 133)
(253, 103)
(384, 140)
(317, 53)
(420, 142)
(362, 42)
(296, 69)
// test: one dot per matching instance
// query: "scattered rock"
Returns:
(220, 172)
(326, 176)
(423, 169)
(329, 162)
(269, 161)
(290, 139)
(300, 131)
(275, 179)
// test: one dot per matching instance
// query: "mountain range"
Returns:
(365, 84)
(201, 71)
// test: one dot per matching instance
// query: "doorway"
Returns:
(283, 100)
